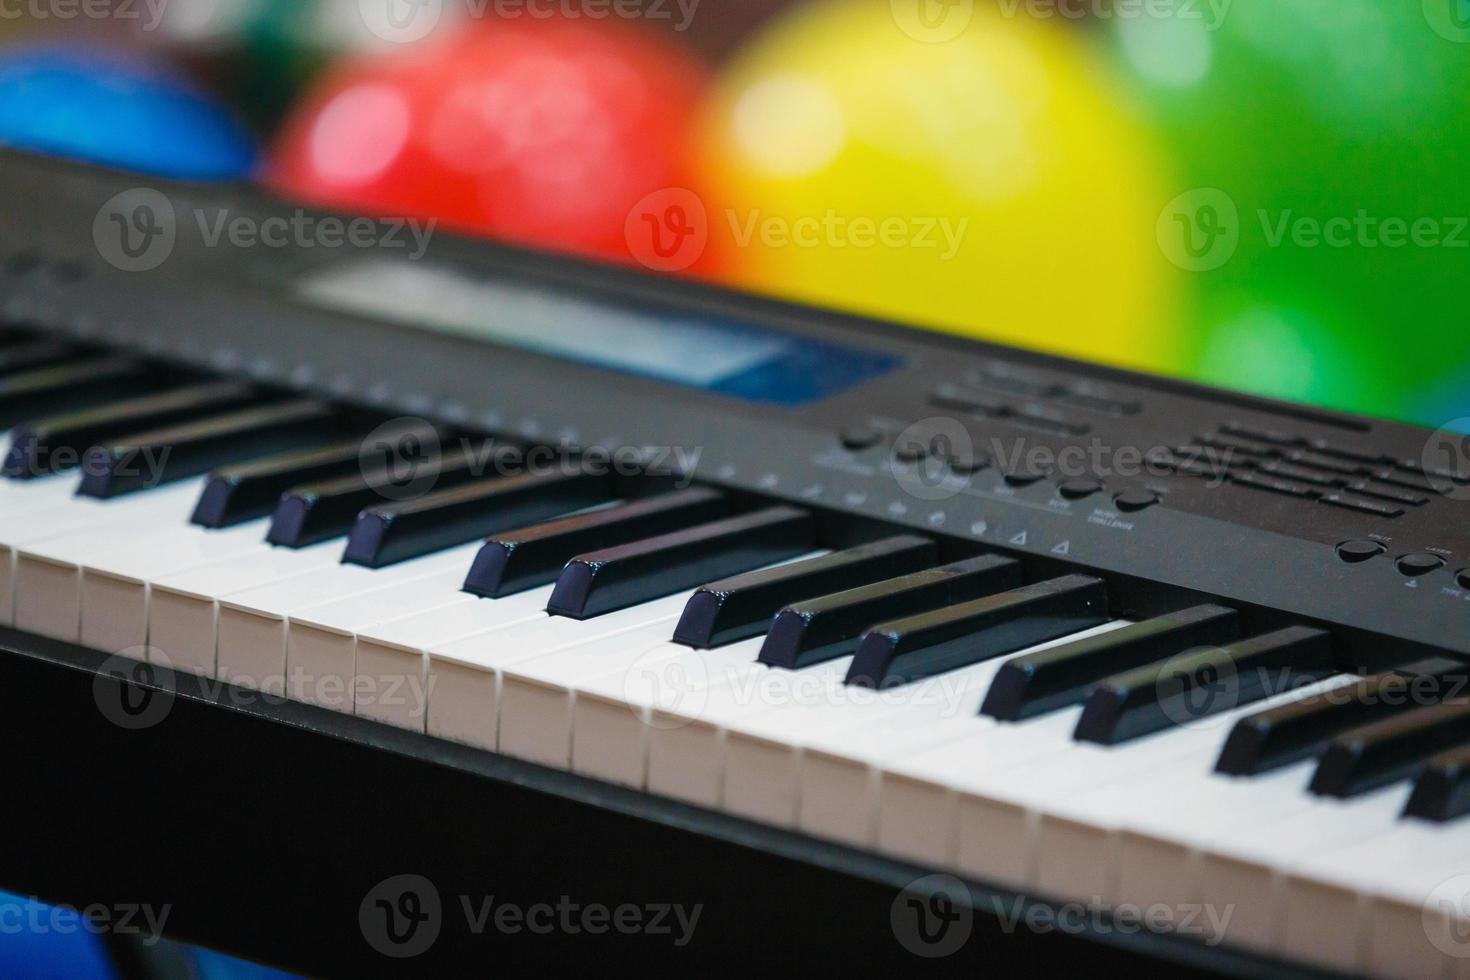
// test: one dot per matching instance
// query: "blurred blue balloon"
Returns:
(118, 110)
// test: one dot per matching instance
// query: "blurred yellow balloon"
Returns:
(945, 165)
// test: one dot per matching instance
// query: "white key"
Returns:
(1081, 845)
(1327, 898)
(395, 655)
(657, 714)
(116, 590)
(20, 496)
(321, 640)
(252, 627)
(917, 801)
(651, 687)
(183, 608)
(48, 575)
(839, 766)
(1245, 870)
(69, 514)
(1415, 883)
(465, 675)
(538, 698)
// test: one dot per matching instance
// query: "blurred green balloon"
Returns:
(260, 54)
(1320, 207)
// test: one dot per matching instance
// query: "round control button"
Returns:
(1420, 563)
(1022, 476)
(1353, 552)
(860, 437)
(1135, 500)
(967, 461)
(1076, 489)
(910, 450)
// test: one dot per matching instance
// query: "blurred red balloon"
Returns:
(547, 133)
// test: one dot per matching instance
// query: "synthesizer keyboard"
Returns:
(879, 604)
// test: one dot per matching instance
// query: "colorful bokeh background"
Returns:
(1268, 195)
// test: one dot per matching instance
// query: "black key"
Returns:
(1291, 732)
(56, 443)
(1442, 791)
(391, 533)
(244, 492)
(1386, 751)
(37, 354)
(523, 559)
(1063, 675)
(147, 459)
(325, 509)
(929, 643)
(71, 386)
(1202, 682)
(818, 630)
(741, 607)
(615, 578)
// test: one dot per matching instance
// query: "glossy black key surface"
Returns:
(36, 354)
(1062, 675)
(822, 629)
(57, 442)
(70, 386)
(147, 459)
(515, 561)
(1203, 682)
(392, 533)
(1442, 791)
(741, 607)
(929, 643)
(615, 578)
(1375, 755)
(244, 492)
(1291, 732)
(325, 509)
